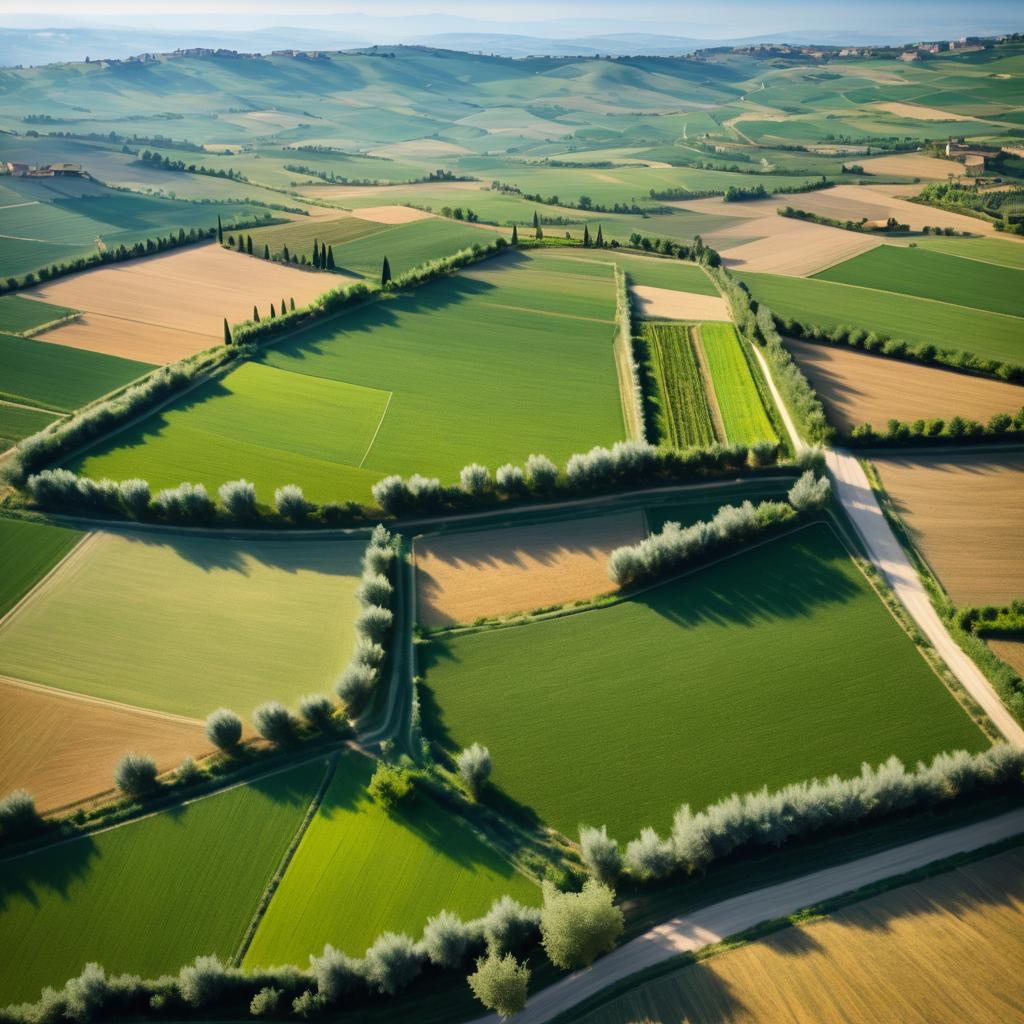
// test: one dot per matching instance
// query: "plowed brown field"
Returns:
(669, 304)
(860, 388)
(963, 511)
(1011, 651)
(463, 577)
(63, 747)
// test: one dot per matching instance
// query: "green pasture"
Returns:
(196, 622)
(17, 422)
(770, 667)
(149, 896)
(18, 315)
(28, 551)
(299, 235)
(986, 250)
(652, 271)
(915, 320)
(510, 357)
(361, 871)
(58, 377)
(934, 275)
(743, 414)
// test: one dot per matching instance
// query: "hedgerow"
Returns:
(938, 432)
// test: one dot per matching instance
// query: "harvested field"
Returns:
(944, 950)
(63, 748)
(391, 214)
(857, 387)
(688, 416)
(164, 307)
(197, 622)
(1010, 651)
(462, 577)
(963, 511)
(669, 304)
(912, 110)
(913, 165)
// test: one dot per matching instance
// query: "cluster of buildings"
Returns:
(59, 170)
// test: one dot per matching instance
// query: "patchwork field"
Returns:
(670, 304)
(28, 551)
(58, 378)
(963, 512)
(687, 415)
(196, 622)
(166, 307)
(63, 748)
(461, 577)
(360, 871)
(511, 357)
(943, 950)
(934, 275)
(820, 700)
(19, 315)
(914, 320)
(857, 388)
(182, 882)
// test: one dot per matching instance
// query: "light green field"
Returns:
(148, 897)
(988, 250)
(770, 667)
(743, 414)
(653, 271)
(194, 622)
(510, 357)
(18, 315)
(914, 320)
(360, 872)
(934, 275)
(28, 551)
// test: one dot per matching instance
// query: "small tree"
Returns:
(508, 925)
(239, 498)
(135, 497)
(510, 479)
(541, 472)
(224, 729)
(446, 939)
(600, 238)
(273, 312)
(336, 974)
(248, 244)
(375, 590)
(274, 722)
(291, 503)
(18, 814)
(600, 853)
(474, 478)
(501, 984)
(392, 962)
(390, 785)
(374, 623)
(286, 256)
(255, 315)
(266, 1002)
(316, 254)
(284, 307)
(809, 493)
(330, 258)
(291, 303)
(135, 775)
(515, 235)
(266, 251)
(220, 230)
(577, 927)
(586, 236)
(227, 332)
(318, 711)
(474, 765)
(385, 273)
(355, 686)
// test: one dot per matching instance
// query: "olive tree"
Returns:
(135, 497)
(239, 498)
(375, 590)
(474, 766)
(378, 559)
(541, 472)
(600, 853)
(317, 710)
(355, 686)
(510, 479)
(809, 493)
(291, 503)
(650, 856)
(274, 722)
(135, 775)
(474, 478)
(266, 1002)
(336, 973)
(446, 939)
(501, 983)
(508, 925)
(577, 927)
(18, 814)
(224, 729)
(392, 962)
(374, 623)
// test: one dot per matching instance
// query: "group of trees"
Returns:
(993, 621)
(849, 225)
(165, 163)
(957, 430)
(677, 547)
(697, 251)
(458, 213)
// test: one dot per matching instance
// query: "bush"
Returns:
(763, 453)
(266, 1002)
(809, 493)
(368, 653)
(600, 854)
(204, 982)
(375, 590)
(355, 687)
(135, 775)
(274, 722)
(648, 856)
(307, 1004)
(446, 939)
(510, 480)
(336, 974)
(378, 559)
(392, 962)
(318, 710)
(18, 814)
(188, 772)
(475, 479)
(184, 503)
(239, 498)
(374, 623)
(509, 926)
(541, 472)
(135, 497)
(291, 503)
(390, 785)
(474, 767)
(501, 984)
(224, 729)
(577, 927)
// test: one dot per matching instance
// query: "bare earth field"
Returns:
(463, 577)
(912, 110)
(165, 307)
(1010, 651)
(860, 388)
(63, 747)
(912, 165)
(391, 214)
(963, 511)
(669, 304)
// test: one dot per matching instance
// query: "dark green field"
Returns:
(18, 315)
(768, 668)
(17, 422)
(28, 551)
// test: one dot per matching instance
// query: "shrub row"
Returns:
(993, 621)
(676, 547)
(625, 464)
(440, 267)
(847, 225)
(625, 359)
(740, 823)
(1002, 427)
(895, 348)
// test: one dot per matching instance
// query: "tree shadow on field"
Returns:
(35, 876)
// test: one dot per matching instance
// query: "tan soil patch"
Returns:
(63, 747)
(796, 247)
(1010, 651)
(911, 110)
(173, 304)
(423, 149)
(715, 205)
(859, 388)
(910, 165)
(463, 577)
(963, 511)
(669, 304)
(391, 214)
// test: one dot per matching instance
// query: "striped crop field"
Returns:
(686, 420)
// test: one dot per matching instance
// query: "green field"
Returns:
(510, 357)
(914, 320)
(18, 315)
(988, 250)
(743, 415)
(934, 275)
(767, 668)
(299, 235)
(685, 419)
(195, 622)
(28, 551)
(653, 271)
(17, 422)
(361, 871)
(149, 896)
(58, 377)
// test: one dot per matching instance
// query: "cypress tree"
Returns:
(227, 332)
(515, 235)
(266, 251)
(330, 257)
(316, 254)
(241, 244)
(292, 305)
(248, 244)
(220, 230)
(586, 237)
(385, 273)
(600, 238)
(284, 307)
(255, 315)
(287, 258)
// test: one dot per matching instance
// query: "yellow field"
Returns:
(944, 951)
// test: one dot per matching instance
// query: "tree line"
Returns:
(936, 431)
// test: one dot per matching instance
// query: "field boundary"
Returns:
(380, 423)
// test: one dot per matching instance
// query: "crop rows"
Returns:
(685, 414)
